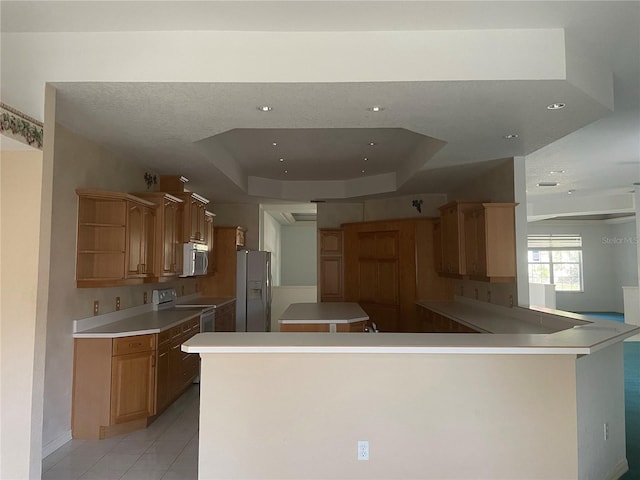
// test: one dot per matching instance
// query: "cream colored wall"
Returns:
(425, 416)
(21, 366)
(244, 215)
(79, 163)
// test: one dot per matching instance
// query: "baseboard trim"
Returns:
(620, 469)
(56, 443)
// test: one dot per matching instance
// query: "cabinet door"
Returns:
(173, 238)
(331, 242)
(331, 279)
(437, 246)
(162, 386)
(141, 226)
(471, 241)
(450, 240)
(132, 386)
(209, 239)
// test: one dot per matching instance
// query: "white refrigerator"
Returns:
(253, 291)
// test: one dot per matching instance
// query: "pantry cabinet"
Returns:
(330, 265)
(114, 239)
(222, 282)
(490, 251)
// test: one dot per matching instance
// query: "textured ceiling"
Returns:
(177, 127)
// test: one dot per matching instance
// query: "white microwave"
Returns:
(195, 260)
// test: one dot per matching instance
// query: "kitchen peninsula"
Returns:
(323, 317)
(528, 402)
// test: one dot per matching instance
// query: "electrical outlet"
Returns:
(363, 450)
(145, 298)
(606, 432)
(117, 303)
(96, 307)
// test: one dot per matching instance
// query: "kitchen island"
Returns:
(323, 317)
(529, 404)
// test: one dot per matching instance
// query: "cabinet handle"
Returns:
(176, 347)
(163, 354)
(135, 344)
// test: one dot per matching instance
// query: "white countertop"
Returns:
(153, 321)
(517, 331)
(326, 312)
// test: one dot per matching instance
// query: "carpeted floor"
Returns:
(632, 408)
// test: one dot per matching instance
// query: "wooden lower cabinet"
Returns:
(132, 386)
(354, 327)
(121, 384)
(432, 322)
(225, 320)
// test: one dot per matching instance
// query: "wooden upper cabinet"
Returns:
(194, 207)
(141, 223)
(437, 245)
(452, 234)
(194, 223)
(115, 239)
(209, 239)
(168, 234)
(490, 242)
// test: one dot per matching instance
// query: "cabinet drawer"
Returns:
(164, 337)
(134, 344)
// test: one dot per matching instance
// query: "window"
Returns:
(556, 259)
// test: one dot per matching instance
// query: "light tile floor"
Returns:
(167, 449)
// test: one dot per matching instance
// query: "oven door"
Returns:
(208, 320)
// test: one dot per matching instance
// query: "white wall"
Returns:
(600, 400)
(271, 234)
(608, 260)
(299, 254)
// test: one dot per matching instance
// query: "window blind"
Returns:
(543, 242)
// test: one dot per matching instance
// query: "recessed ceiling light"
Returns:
(570, 191)
(547, 184)
(363, 171)
(556, 172)
(286, 171)
(265, 108)
(376, 108)
(365, 159)
(371, 144)
(556, 106)
(274, 143)
(282, 159)
(511, 136)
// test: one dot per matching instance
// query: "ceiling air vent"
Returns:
(547, 184)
